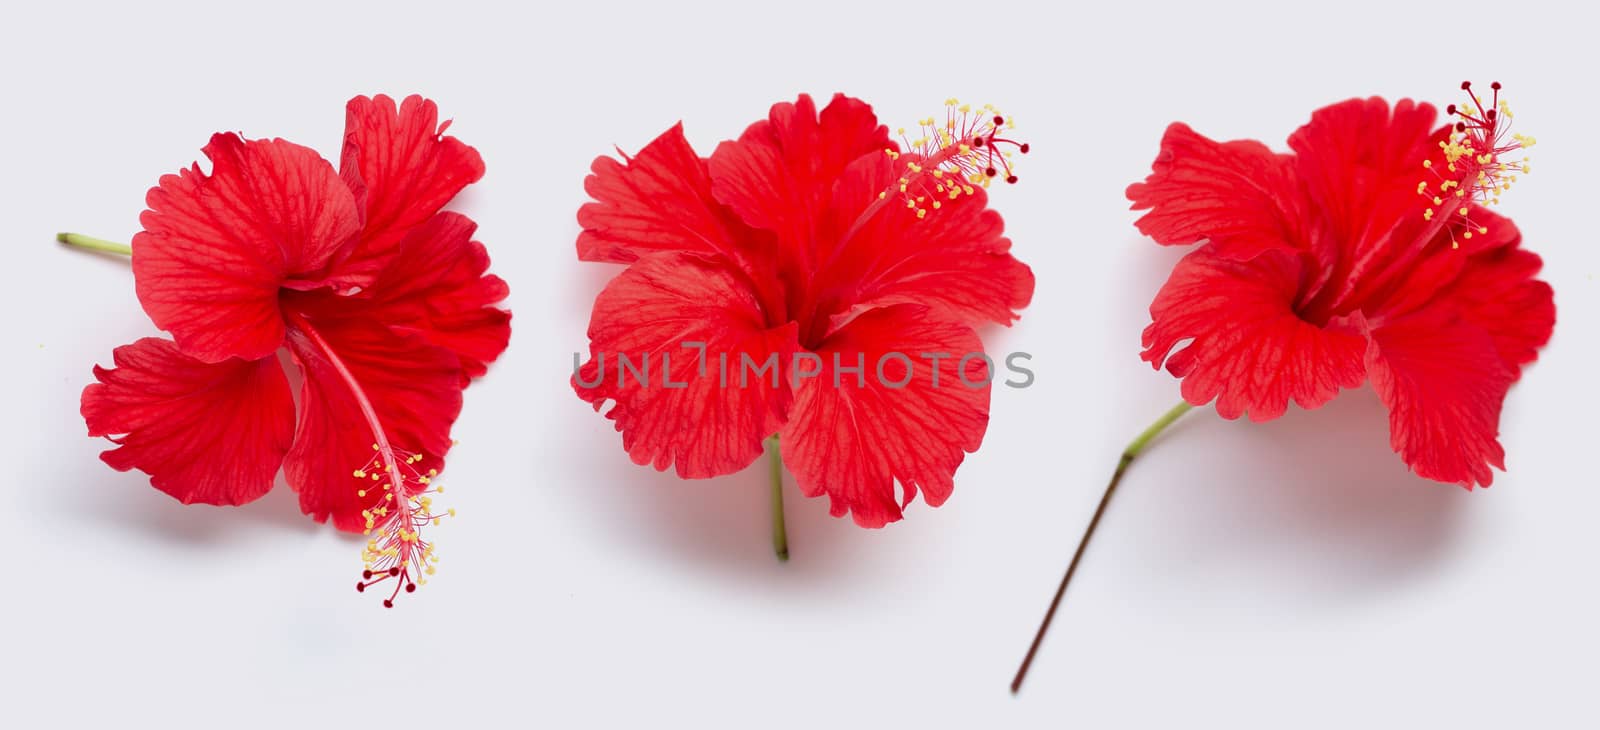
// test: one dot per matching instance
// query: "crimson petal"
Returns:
(439, 288)
(779, 175)
(402, 169)
(1240, 195)
(1250, 351)
(216, 249)
(852, 435)
(683, 317)
(412, 388)
(1444, 384)
(658, 200)
(213, 433)
(956, 261)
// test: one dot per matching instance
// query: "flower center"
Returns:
(953, 155)
(395, 548)
(1478, 163)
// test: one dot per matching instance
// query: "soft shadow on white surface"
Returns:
(1310, 510)
(718, 524)
(127, 502)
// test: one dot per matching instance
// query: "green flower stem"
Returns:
(1135, 447)
(780, 533)
(94, 244)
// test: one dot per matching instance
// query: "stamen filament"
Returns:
(398, 550)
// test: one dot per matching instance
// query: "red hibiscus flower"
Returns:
(1366, 253)
(817, 245)
(379, 297)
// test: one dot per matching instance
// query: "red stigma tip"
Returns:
(1012, 179)
(1024, 148)
(388, 603)
(1495, 86)
(411, 588)
(394, 571)
(361, 587)
(953, 156)
(1461, 126)
(1450, 109)
(366, 575)
(1465, 85)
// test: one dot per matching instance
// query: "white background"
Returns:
(1290, 574)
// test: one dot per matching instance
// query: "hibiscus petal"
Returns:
(663, 313)
(437, 288)
(1240, 195)
(213, 433)
(956, 260)
(402, 170)
(1487, 279)
(779, 175)
(1403, 289)
(1497, 293)
(414, 391)
(1444, 383)
(852, 435)
(660, 200)
(1250, 351)
(216, 249)
(1360, 161)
